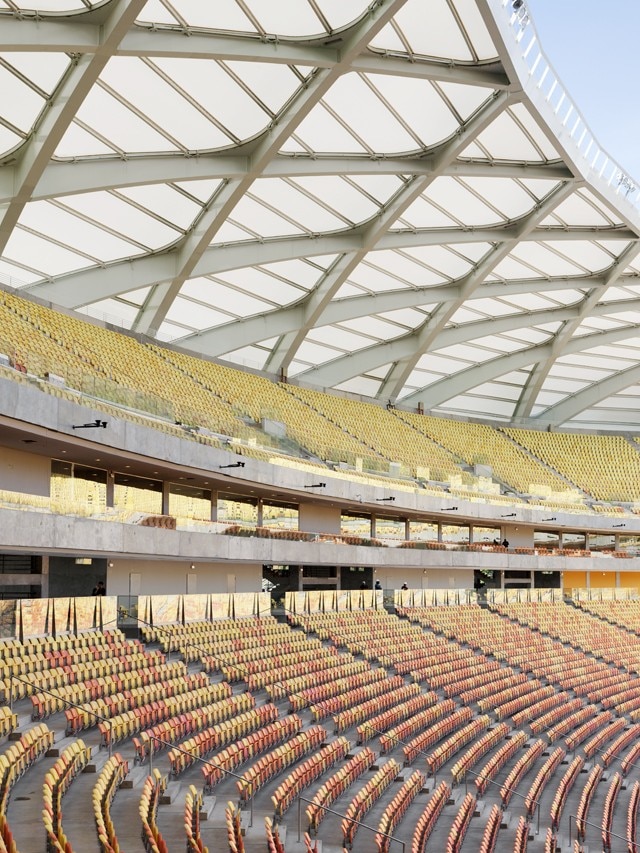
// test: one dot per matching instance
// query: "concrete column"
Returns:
(110, 489)
(44, 588)
(165, 498)
(260, 514)
(214, 506)
(407, 529)
(373, 526)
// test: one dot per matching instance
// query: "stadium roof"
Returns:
(395, 198)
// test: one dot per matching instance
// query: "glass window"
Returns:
(455, 533)
(390, 528)
(423, 531)
(280, 516)
(137, 493)
(486, 535)
(237, 509)
(77, 488)
(545, 540)
(601, 542)
(355, 525)
(189, 502)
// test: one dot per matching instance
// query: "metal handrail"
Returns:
(537, 67)
(350, 819)
(60, 699)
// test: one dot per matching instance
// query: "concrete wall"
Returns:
(416, 578)
(24, 472)
(176, 576)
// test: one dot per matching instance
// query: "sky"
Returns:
(592, 46)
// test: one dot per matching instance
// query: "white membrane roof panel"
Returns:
(379, 173)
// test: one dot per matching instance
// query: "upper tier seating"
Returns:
(605, 466)
(125, 377)
(482, 444)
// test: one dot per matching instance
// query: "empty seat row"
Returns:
(192, 806)
(586, 729)
(390, 698)
(595, 744)
(461, 824)
(152, 789)
(395, 811)
(177, 728)
(123, 726)
(404, 710)
(498, 760)
(109, 780)
(607, 813)
(336, 785)
(366, 797)
(318, 694)
(357, 696)
(428, 818)
(115, 694)
(307, 772)
(294, 680)
(56, 784)
(490, 834)
(270, 765)
(221, 734)
(542, 777)
(520, 768)
(431, 728)
(455, 742)
(477, 750)
(234, 755)
(233, 822)
(566, 784)
(577, 718)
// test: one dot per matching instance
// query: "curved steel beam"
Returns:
(392, 387)
(220, 207)
(376, 233)
(251, 330)
(35, 155)
(590, 396)
(539, 374)
(70, 178)
(339, 370)
(90, 285)
(76, 35)
(434, 395)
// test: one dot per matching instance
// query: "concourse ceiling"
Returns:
(394, 198)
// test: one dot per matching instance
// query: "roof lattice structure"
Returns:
(393, 198)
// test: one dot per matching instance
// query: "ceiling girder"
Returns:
(362, 361)
(251, 330)
(400, 372)
(75, 35)
(34, 156)
(375, 234)
(590, 396)
(91, 285)
(433, 396)
(538, 375)
(60, 179)
(220, 207)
